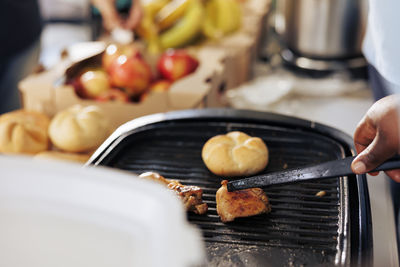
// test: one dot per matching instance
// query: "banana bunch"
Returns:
(147, 28)
(186, 28)
(151, 7)
(170, 23)
(171, 13)
(176, 23)
(222, 18)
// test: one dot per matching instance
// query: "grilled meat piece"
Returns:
(190, 195)
(241, 203)
(155, 177)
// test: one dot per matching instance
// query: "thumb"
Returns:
(371, 157)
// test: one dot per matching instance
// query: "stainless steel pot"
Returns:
(322, 29)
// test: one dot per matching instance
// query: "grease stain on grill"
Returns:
(301, 229)
(256, 256)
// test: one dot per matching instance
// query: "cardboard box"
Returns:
(44, 92)
(242, 47)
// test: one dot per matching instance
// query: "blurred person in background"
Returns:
(21, 26)
(20, 29)
(377, 135)
(380, 47)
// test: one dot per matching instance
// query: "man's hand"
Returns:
(111, 18)
(377, 136)
(135, 16)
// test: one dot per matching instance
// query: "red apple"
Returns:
(131, 73)
(113, 51)
(157, 86)
(77, 86)
(160, 86)
(93, 83)
(113, 95)
(175, 64)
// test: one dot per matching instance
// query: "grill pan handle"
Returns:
(329, 169)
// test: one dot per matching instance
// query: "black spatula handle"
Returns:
(330, 169)
(390, 164)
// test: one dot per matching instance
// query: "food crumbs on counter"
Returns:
(320, 194)
(285, 166)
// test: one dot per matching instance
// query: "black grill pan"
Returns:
(302, 229)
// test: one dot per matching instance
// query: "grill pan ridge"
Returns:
(302, 228)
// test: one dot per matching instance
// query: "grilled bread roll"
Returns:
(24, 131)
(56, 155)
(79, 129)
(235, 154)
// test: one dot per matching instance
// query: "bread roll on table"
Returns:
(23, 131)
(79, 129)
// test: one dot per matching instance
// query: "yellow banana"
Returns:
(222, 17)
(186, 29)
(210, 31)
(171, 13)
(153, 47)
(151, 7)
(209, 27)
(229, 18)
(148, 30)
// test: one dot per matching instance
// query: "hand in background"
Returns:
(111, 18)
(377, 136)
(135, 16)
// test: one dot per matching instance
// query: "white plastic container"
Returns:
(60, 214)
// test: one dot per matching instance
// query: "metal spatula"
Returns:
(329, 169)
